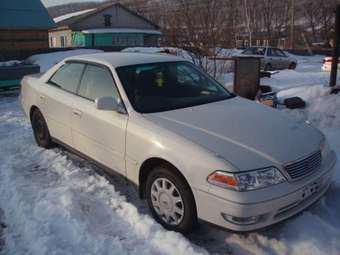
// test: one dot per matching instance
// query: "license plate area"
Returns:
(314, 187)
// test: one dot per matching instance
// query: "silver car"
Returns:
(272, 58)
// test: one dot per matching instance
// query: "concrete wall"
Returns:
(11, 40)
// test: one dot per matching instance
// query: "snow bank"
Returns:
(53, 206)
(10, 63)
(46, 61)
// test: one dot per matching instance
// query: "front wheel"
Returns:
(170, 199)
(40, 130)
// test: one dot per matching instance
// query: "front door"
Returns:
(99, 134)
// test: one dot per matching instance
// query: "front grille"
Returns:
(304, 167)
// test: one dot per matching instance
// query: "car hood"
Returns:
(246, 134)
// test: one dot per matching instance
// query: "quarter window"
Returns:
(97, 82)
(68, 77)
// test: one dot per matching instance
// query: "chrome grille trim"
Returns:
(304, 167)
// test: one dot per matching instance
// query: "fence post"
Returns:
(335, 55)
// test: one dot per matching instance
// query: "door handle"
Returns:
(42, 97)
(77, 113)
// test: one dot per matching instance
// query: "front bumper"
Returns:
(211, 208)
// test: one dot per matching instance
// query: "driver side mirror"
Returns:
(109, 104)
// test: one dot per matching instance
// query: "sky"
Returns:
(58, 2)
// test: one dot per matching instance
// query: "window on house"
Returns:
(62, 41)
(107, 20)
(53, 41)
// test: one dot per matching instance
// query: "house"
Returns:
(111, 25)
(24, 25)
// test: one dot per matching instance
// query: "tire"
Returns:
(292, 66)
(184, 213)
(268, 67)
(40, 130)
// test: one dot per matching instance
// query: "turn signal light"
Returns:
(222, 179)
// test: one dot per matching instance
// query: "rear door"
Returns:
(284, 60)
(59, 97)
(99, 134)
(273, 59)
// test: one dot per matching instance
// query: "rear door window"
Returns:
(68, 77)
(280, 53)
(97, 82)
(259, 51)
(270, 52)
(249, 51)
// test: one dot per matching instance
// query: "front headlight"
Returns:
(246, 181)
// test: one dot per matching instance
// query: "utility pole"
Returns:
(335, 55)
(292, 23)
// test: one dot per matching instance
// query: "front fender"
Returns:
(147, 140)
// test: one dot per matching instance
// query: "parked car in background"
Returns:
(193, 149)
(327, 64)
(272, 58)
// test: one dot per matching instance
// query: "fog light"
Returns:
(241, 220)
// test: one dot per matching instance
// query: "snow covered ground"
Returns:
(53, 202)
(56, 203)
(308, 72)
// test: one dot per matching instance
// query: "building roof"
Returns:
(82, 15)
(24, 14)
(70, 15)
(121, 31)
(117, 59)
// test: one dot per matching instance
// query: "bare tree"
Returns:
(248, 21)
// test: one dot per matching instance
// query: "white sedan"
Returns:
(271, 58)
(194, 150)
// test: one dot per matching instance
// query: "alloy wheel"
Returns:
(167, 201)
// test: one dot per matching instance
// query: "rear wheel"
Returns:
(268, 67)
(40, 130)
(292, 65)
(170, 199)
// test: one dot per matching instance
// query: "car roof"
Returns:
(118, 59)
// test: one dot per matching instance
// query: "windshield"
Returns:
(167, 86)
